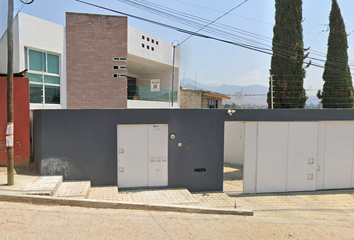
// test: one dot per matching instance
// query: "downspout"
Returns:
(173, 70)
(202, 99)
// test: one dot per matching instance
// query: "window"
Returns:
(147, 47)
(157, 43)
(119, 59)
(147, 39)
(119, 75)
(212, 103)
(44, 76)
(142, 45)
(152, 49)
(152, 40)
(119, 67)
(143, 37)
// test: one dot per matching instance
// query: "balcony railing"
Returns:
(145, 93)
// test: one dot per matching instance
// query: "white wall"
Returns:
(250, 159)
(3, 53)
(234, 142)
(144, 79)
(150, 104)
(3, 16)
(44, 36)
(298, 156)
(163, 52)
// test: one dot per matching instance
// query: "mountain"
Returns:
(226, 89)
(260, 90)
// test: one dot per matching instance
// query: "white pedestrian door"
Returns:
(142, 155)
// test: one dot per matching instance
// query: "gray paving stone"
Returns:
(45, 185)
(75, 190)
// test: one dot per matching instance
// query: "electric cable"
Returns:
(138, 3)
(247, 46)
(215, 20)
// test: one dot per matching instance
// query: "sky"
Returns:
(209, 61)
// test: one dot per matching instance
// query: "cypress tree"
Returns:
(288, 56)
(337, 88)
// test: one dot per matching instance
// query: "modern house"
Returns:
(95, 62)
(201, 99)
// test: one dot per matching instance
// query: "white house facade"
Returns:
(141, 78)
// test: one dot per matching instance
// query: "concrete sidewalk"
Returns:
(330, 204)
(30, 187)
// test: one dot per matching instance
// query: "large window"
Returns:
(44, 76)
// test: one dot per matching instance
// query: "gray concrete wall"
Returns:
(82, 144)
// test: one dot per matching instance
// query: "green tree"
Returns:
(338, 87)
(288, 56)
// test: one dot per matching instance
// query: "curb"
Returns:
(90, 203)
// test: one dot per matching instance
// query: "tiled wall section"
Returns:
(92, 42)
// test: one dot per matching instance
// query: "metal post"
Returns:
(271, 92)
(173, 70)
(195, 82)
(169, 91)
(241, 96)
(10, 113)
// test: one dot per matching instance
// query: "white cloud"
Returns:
(200, 72)
(212, 81)
(253, 77)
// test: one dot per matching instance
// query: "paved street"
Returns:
(299, 215)
(28, 221)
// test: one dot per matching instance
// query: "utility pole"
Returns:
(195, 82)
(10, 108)
(241, 96)
(271, 91)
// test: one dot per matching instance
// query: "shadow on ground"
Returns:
(30, 169)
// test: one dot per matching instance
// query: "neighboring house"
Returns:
(201, 99)
(95, 62)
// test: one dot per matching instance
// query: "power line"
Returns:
(215, 20)
(27, 2)
(247, 46)
(166, 12)
(251, 19)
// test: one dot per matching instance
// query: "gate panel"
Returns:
(158, 155)
(338, 155)
(302, 156)
(272, 156)
(132, 155)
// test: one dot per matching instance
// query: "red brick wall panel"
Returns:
(92, 41)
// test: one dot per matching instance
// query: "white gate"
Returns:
(142, 155)
(298, 156)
